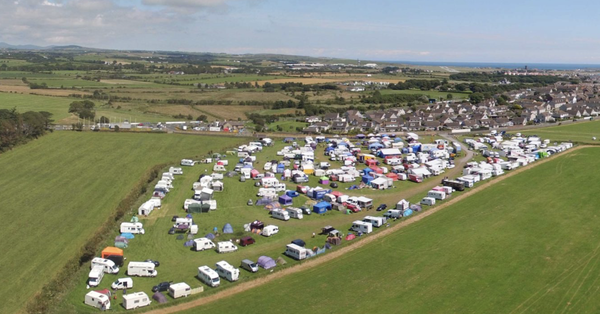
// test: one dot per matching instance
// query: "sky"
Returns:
(531, 31)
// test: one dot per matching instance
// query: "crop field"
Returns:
(528, 244)
(58, 189)
(580, 132)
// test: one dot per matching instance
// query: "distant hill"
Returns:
(29, 47)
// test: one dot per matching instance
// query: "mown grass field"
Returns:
(580, 132)
(58, 106)
(58, 189)
(528, 244)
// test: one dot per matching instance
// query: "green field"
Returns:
(287, 126)
(580, 132)
(529, 244)
(58, 189)
(58, 106)
(428, 93)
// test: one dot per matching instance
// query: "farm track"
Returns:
(356, 245)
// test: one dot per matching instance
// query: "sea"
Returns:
(530, 66)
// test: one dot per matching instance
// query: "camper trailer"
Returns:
(393, 213)
(132, 227)
(134, 300)
(266, 192)
(95, 276)
(280, 214)
(187, 162)
(202, 244)
(438, 195)
(227, 271)
(122, 283)
(142, 269)
(296, 252)
(226, 247)
(295, 213)
(97, 300)
(208, 276)
(361, 226)
(430, 201)
(175, 170)
(107, 265)
(270, 230)
(179, 290)
(375, 221)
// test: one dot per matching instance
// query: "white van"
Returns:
(175, 170)
(97, 300)
(180, 290)
(142, 269)
(202, 244)
(132, 227)
(208, 276)
(428, 201)
(226, 247)
(227, 271)
(375, 221)
(122, 283)
(361, 226)
(187, 162)
(108, 265)
(134, 300)
(438, 195)
(270, 230)
(296, 252)
(95, 276)
(280, 214)
(393, 213)
(183, 221)
(249, 265)
(295, 213)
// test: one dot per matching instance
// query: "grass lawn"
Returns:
(580, 132)
(59, 188)
(287, 126)
(58, 106)
(528, 244)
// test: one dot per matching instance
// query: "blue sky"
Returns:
(460, 30)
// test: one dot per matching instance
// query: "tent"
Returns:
(227, 228)
(210, 236)
(285, 200)
(281, 261)
(188, 243)
(407, 212)
(360, 136)
(392, 176)
(280, 168)
(375, 146)
(121, 239)
(367, 179)
(263, 201)
(371, 162)
(159, 297)
(121, 245)
(254, 173)
(350, 236)
(292, 193)
(299, 242)
(109, 250)
(127, 235)
(334, 241)
(134, 219)
(266, 262)
(324, 180)
(198, 208)
(321, 207)
(257, 225)
(273, 205)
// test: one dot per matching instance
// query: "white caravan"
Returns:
(134, 300)
(296, 252)
(142, 269)
(97, 300)
(107, 265)
(180, 290)
(361, 226)
(132, 227)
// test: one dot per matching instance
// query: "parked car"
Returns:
(174, 218)
(381, 207)
(245, 241)
(156, 263)
(163, 286)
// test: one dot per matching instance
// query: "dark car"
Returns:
(381, 207)
(163, 286)
(174, 218)
(156, 263)
(246, 241)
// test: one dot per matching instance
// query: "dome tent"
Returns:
(227, 228)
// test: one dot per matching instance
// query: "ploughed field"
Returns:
(57, 190)
(528, 244)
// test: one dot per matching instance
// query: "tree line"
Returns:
(17, 128)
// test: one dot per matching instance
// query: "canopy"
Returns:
(263, 201)
(321, 207)
(159, 297)
(266, 262)
(285, 199)
(227, 228)
(292, 193)
(111, 250)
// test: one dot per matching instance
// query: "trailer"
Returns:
(179, 290)
(135, 300)
(98, 300)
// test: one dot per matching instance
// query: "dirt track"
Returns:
(337, 253)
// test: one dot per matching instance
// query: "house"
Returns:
(339, 126)
(518, 121)
(313, 119)
(233, 126)
(431, 125)
(331, 116)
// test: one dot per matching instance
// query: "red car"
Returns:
(353, 208)
(246, 241)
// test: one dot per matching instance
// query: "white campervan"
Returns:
(438, 195)
(227, 271)
(208, 276)
(97, 300)
(226, 247)
(122, 283)
(134, 300)
(270, 230)
(202, 244)
(296, 252)
(187, 162)
(95, 276)
(280, 214)
(361, 226)
(393, 213)
(295, 213)
(142, 269)
(108, 265)
(179, 290)
(132, 227)
(375, 221)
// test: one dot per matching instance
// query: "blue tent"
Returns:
(329, 148)
(285, 200)
(368, 170)
(416, 148)
(360, 136)
(227, 228)
(280, 168)
(407, 212)
(317, 194)
(367, 179)
(210, 236)
(188, 243)
(289, 139)
(397, 140)
(405, 150)
(343, 144)
(127, 235)
(292, 193)
(375, 146)
(321, 207)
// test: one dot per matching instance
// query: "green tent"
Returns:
(198, 208)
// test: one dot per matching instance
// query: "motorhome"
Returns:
(108, 266)
(179, 290)
(280, 214)
(187, 162)
(95, 276)
(135, 300)
(295, 213)
(208, 276)
(361, 226)
(142, 269)
(226, 247)
(202, 244)
(132, 227)
(375, 221)
(266, 192)
(227, 271)
(270, 230)
(122, 283)
(296, 252)
(97, 300)
(175, 170)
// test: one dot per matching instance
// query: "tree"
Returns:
(449, 96)
(202, 118)
(476, 98)
(104, 120)
(83, 109)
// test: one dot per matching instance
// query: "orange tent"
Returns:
(111, 250)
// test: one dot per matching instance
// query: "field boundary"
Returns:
(333, 255)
